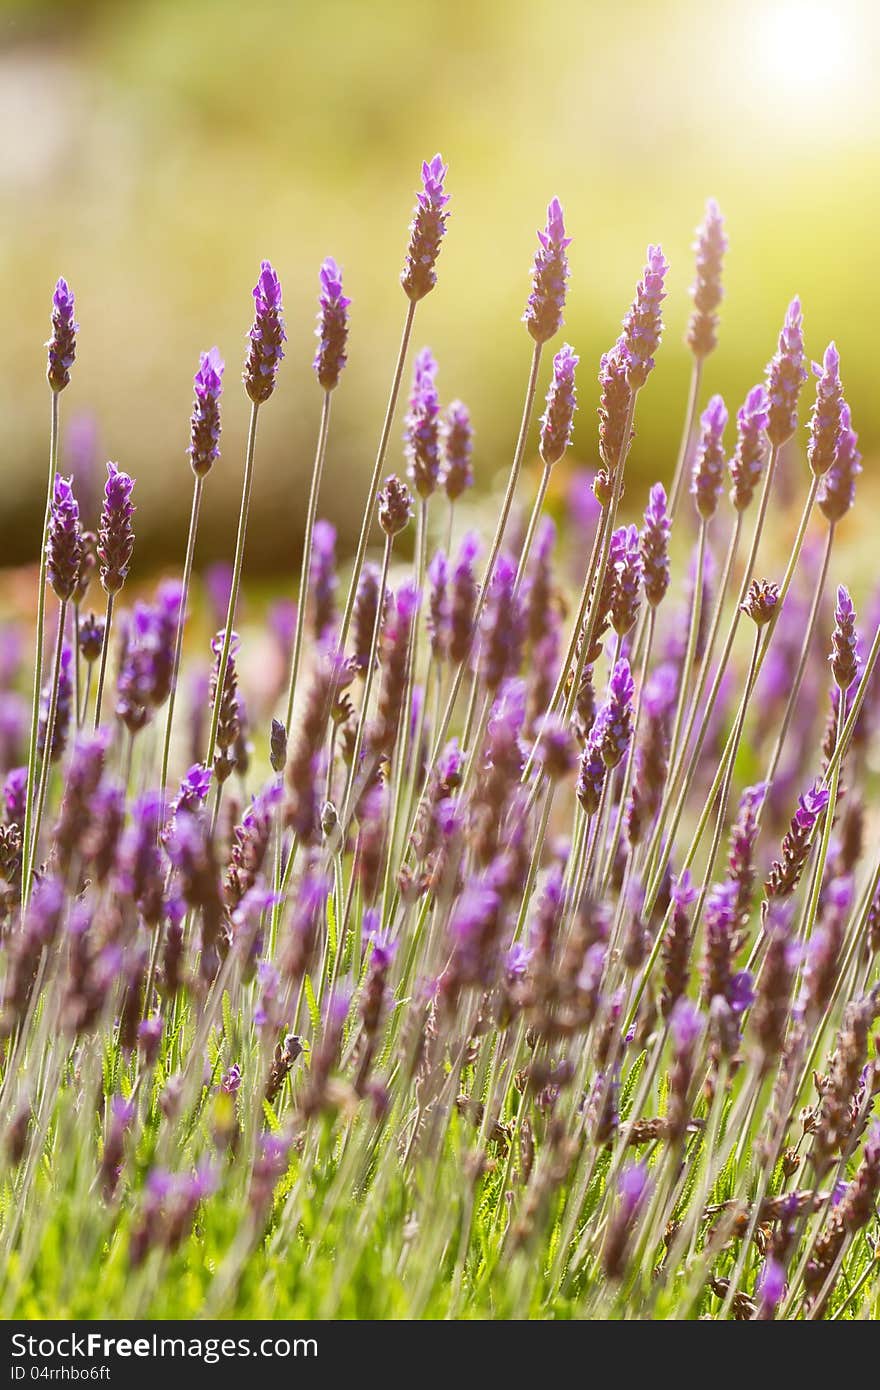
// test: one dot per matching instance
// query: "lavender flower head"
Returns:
(115, 533)
(394, 506)
(426, 232)
(761, 602)
(557, 420)
(643, 324)
(62, 344)
(837, 486)
(458, 442)
(655, 546)
(786, 374)
(614, 402)
(546, 302)
(708, 474)
(422, 436)
(844, 642)
(626, 560)
(706, 291)
(502, 627)
(826, 413)
(267, 337)
(204, 448)
(63, 709)
(617, 715)
(332, 330)
(64, 540)
(750, 454)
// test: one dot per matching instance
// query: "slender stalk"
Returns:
(237, 565)
(40, 637)
(105, 647)
(31, 855)
(535, 517)
(311, 513)
(198, 486)
(690, 415)
(691, 648)
(367, 522)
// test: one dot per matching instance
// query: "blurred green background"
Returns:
(154, 150)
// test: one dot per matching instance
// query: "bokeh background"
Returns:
(153, 151)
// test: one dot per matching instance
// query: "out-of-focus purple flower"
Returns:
(770, 1287)
(150, 1038)
(844, 656)
(685, 1025)
(148, 664)
(555, 748)
(332, 330)
(63, 540)
(62, 344)
(204, 447)
(750, 454)
(722, 942)
(140, 872)
(786, 374)
(322, 578)
(677, 944)
(63, 709)
(633, 1188)
(558, 418)
(463, 600)
(230, 1081)
(501, 627)
(775, 986)
(193, 792)
(439, 611)
(394, 506)
(267, 337)
(761, 602)
(546, 302)
(396, 636)
(708, 472)
(652, 754)
(422, 433)
(457, 473)
(426, 232)
(115, 533)
(217, 580)
(614, 402)
(15, 795)
(826, 413)
(706, 291)
(837, 487)
(643, 324)
(740, 861)
(655, 546)
(91, 637)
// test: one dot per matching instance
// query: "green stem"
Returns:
(311, 513)
(102, 669)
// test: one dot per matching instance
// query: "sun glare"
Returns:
(810, 47)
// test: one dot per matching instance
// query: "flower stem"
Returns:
(311, 513)
(31, 855)
(102, 669)
(181, 623)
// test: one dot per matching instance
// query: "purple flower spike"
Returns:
(422, 436)
(706, 291)
(115, 533)
(655, 546)
(825, 417)
(614, 405)
(426, 232)
(844, 642)
(267, 337)
(771, 1287)
(204, 448)
(458, 443)
(394, 506)
(557, 420)
(62, 344)
(750, 455)
(616, 716)
(643, 324)
(685, 1026)
(591, 776)
(626, 559)
(837, 487)
(546, 302)
(786, 374)
(332, 330)
(502, 627)
(64, 545)
(63, 709)
(708, 474)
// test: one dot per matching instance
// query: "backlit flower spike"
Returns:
(332, 330)
(546, 302)
(267, 337)
(426, 232)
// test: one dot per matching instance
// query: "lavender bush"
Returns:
(513, 952)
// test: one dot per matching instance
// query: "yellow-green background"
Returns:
(153, 150)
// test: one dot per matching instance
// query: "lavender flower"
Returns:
(363, 619)
(546, 302)
(332, 330)
(63, 709)
(592, 773)
(655, 546)
(643, 325)
(556, 422)
(707, 293)
(501, 627)
(278, 746)
(844, 643)
(617, 715)
(62, 344)
(722, 942)
(204, 448)
(463, 600)
(426, 232)
(394, 506)
(614, 403)
(837, 485)
(761, 602)
(115, 534)
(439, 610)
(267, 337)
(708, 473)
(64, 540)
(750, 455)
(633, 1189)
(785, 873)
(786, 374)
(677, 945)
(627, 570)
(740, 861)
(457, 473)
(825, 417)
(423, 426)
